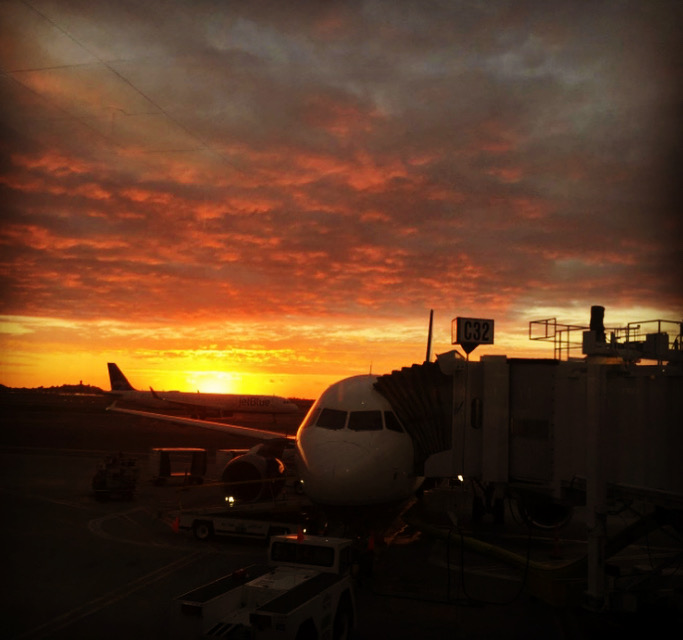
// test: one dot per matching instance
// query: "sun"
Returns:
(213, 381)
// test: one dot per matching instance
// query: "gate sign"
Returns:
(470, 332)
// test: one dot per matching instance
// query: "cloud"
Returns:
(350, 161)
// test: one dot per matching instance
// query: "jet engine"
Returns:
(256, 475)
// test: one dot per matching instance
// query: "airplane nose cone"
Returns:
(340, 460)
(338, 472)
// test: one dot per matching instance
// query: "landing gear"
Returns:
(488, 503)
(542, 512)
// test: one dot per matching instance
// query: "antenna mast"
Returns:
(429, 336)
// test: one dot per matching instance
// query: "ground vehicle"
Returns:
(116, 477)
(205, 524)
(304, 592)
(176, 463)
(247, 521)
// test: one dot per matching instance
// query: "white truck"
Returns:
(305, 592)
(207, 524)
(250, 521)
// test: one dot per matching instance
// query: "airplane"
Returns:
(198, 403)
(350, 450)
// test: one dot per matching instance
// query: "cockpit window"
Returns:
(392, 422)
(332, 419)
(365, 421)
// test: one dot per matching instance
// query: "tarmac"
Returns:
(76, 567)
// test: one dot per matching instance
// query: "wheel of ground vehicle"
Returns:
(202, 530)
(307, 631)
(343, 619)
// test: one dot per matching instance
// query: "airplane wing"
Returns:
(262, 434)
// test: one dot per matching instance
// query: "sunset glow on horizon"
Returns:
(267, 197)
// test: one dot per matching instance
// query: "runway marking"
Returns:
(95, 526)
(93, 606)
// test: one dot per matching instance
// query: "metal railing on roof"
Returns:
(567, 339)
(649, 339)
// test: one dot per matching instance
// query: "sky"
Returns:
(266, 197)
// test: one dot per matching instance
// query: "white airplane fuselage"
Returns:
(234, 403)
(351, 449)
(220, 402)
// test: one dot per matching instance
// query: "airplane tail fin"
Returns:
(118, 381)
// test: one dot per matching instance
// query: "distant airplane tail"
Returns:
(118, 381)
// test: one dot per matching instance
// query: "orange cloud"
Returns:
(54, 163)
(507, 174)
(42, 239)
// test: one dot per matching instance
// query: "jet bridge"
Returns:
(554, 426)
(556, 433)
(546, 426)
